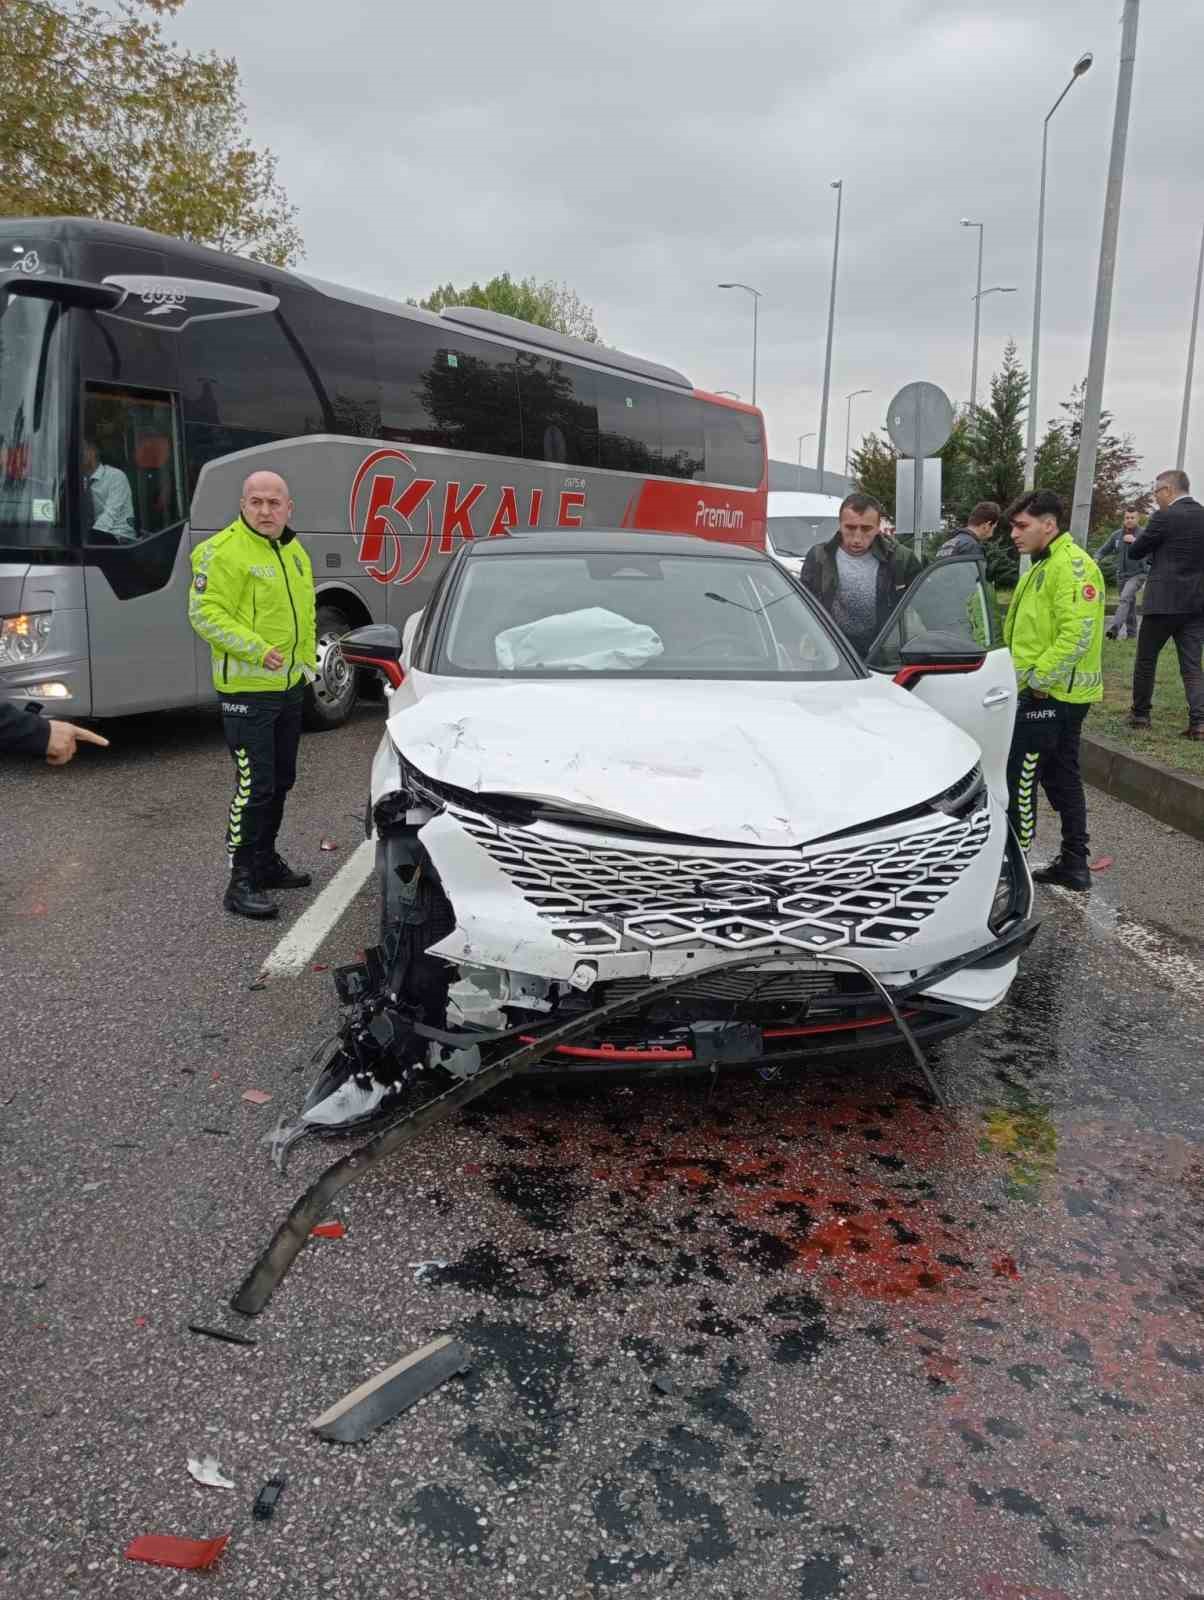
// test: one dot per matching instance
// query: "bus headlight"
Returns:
(23, 637)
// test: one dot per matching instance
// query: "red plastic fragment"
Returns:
(140, 1322)
(320, 966)
(1102, 863)
(165, 1550)
(328, 1230)
(472, 1168)
(257, 1097)
(328, 844)
(1005, 1267)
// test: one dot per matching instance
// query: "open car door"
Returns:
(943, 642)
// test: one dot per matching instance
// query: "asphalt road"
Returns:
(800, 1339)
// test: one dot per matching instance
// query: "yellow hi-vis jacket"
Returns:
(250, 595)
(1055, 624)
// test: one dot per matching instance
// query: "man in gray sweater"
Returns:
(1130, 575)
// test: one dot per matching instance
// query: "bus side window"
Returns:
(629, 429)
(131, 464)
(735, 447)
(560, 417)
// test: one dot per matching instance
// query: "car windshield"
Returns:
(794, 536)
(613, 614)
(31, 465)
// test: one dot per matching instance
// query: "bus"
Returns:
(142, 379)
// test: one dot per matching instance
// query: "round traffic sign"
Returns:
(919, 420)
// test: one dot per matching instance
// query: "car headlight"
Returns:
(1012, 892)
(23, 637)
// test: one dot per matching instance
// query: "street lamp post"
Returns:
(848, 425)
(1082, 65)
(1191, 362)
(966, 223)
(801, 437)
(756, 294)
(1093, 399)
(838, 185)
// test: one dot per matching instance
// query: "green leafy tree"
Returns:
(101, 116)
(1117, 465)
(548, 305)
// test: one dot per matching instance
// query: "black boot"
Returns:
(242, 896)
(1065, 872)
(272, 871)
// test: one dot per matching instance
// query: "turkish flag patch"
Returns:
(1089, 591)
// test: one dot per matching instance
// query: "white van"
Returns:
(795, 522)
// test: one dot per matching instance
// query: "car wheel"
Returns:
(329, 700)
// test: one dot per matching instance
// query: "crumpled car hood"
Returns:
(770, 764)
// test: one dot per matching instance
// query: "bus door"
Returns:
(137, 569)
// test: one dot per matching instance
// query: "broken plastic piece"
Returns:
(227, 1335)
(165, 1550)
(1005, 1267)
(1102, 863)
(328, 844)
(664, 1385)
(257, 1097)
(328, 1230)
(265, 1500)
(392, 1391)
(208, 1470)
(425, 1268)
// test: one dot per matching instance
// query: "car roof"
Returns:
(599, 541)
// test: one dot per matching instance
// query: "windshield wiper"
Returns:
(755, 611)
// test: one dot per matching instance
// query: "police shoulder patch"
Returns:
(200, 583)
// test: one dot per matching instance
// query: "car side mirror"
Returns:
(926, 654)
(377, 646)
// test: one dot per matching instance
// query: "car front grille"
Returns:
(599, 892)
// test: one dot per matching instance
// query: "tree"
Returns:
(102, 117)
(1116, 465)
(548, 305)
(994, 442)
(873, 470)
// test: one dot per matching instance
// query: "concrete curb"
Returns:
(1174, 798)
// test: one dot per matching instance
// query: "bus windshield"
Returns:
(31, 433)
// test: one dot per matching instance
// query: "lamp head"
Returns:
(1083, 64)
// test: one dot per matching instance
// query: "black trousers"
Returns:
(1188, 634)
(262, 731)
(1045, 750)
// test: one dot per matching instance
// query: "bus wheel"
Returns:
(329, 701)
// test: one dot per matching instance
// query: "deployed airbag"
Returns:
(593, 639)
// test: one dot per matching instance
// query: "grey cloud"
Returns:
(642, 153)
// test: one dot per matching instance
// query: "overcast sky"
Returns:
(642, 152)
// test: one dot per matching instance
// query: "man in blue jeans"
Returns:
(1130, 575)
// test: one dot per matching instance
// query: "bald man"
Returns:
(252, 601)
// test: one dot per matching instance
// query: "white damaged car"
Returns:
(624, 765)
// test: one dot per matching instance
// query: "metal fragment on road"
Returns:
(209, 1471)
(389, 1393)
(226, 1335)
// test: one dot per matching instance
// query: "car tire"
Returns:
(330, 701)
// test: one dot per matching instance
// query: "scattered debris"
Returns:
(1103, 863)
(260, 983)
(228, 1335)
(90, 1188)
(215, 1130)
(471, 1168)
(425, 1268)
(389, 1393)
(257, 1097)
(320, 966)
(328, 844)
(165, 1550)
(141, 1322)
(1005, 1267)
(328, 1230)
(265, 1500)
(209, 1471)
(664, 1385)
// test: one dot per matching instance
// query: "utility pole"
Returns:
(966, 223)
(838, 185)
(1191, 362)
(1084, 481)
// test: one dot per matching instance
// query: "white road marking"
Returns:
(304, 938)
(1173, 966)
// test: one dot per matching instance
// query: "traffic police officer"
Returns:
(1054, 630)
(252, 601)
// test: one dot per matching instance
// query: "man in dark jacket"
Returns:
(1130, 574)
(980, 526)
(859, 575)
(1174, 599)
(23, 733)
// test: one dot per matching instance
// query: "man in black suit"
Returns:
(1174, 599)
